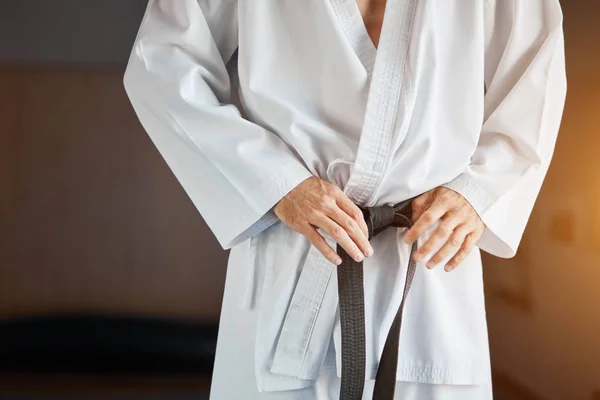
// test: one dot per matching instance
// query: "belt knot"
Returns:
(380, 217)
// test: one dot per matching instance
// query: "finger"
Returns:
(451, 247)
(340, 236)
(441, 234)
(317, 240)
(420, 204)
(462, 253)
(346, 205)
(353, 230)
(428, 218)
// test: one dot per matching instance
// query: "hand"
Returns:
(460, 226)
(316, 203)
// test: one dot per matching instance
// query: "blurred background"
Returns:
(111, 283)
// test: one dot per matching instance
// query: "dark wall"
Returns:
(76, 32)
(91, 218)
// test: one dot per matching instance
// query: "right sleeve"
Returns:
(233, 170)
(526, 85)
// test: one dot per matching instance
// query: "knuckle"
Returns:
(466, 222)
(427, 218)
(330, 190)
(455, 241)
(329, 205)
(357, 215)
(465, 214)
(443, 200)
(450, 198)
(351, 225)
(444, 230)
(323, 202)
(336, 232)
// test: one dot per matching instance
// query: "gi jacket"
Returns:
(462, 93)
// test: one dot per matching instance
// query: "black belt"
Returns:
(352, 310)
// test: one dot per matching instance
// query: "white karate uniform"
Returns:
(467, 94)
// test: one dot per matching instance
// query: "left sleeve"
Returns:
(525, 82)
(234, 171)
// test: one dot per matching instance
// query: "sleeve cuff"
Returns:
(261, 213)
(478, 197)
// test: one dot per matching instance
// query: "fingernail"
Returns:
(359, 257)
(337, 261)
(448, 268)
(430, 265)
(418, 257)
(369, 252)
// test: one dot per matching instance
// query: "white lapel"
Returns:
(390, 100)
